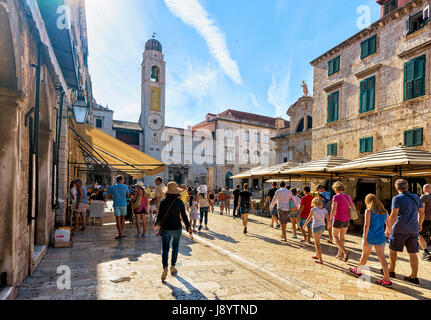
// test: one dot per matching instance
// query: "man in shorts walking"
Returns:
(282, 200)
(119, 193)
(426, 225)
(404, 227)
(274, 213)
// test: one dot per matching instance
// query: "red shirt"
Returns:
(306, 204)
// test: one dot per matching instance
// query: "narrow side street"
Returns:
(220, 264)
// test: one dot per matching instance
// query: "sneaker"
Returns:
(426, 256)
(174, 270)
(207, 229)
(245, 230)
(355, 272)
(200, 228)
(164, 274)
(278, 226)
(384, 283)
(272, 226)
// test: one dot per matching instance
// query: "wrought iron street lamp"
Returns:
(80, 109)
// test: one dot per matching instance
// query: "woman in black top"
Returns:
(171, 212)
(245, 206)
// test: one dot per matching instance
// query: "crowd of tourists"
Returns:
(168, 207)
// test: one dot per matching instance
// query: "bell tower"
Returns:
(152, 118)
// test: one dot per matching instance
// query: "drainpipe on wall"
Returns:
(36, 135)
(60, 93)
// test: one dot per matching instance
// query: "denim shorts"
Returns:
(274, 211)
(319, 229)
(302, 223)
(120, 211)
(369, 245)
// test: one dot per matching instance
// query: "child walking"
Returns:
(376, 217)
(192, 208)
(318, 214)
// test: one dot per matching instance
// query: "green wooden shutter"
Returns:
(408, 138)
(336, 105)
(337, 64)
(330, 111)
(371, 84)
(363, 96)
(364, 49)
(418, 137)
(370, 143)
(330, 68)
(419, 77)
(409, 72)
(362, 145)
(372, 45)
(328, 150)
(335, 149)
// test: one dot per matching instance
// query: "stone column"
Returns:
(9, 188)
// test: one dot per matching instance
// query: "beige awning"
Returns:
(263, 171)
(393, 161)
(315, 167)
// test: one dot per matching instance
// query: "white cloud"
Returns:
(192, 13)
(278, 92)
(254, 100)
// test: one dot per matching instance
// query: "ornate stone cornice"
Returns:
(368, 71)
(412, 51)
(334, 86)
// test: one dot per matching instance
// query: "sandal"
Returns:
(347, 256)
(294, 237)
(355, 272)
(318, 261)
(411, 280)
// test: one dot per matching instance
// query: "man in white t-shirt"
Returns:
(281, 199)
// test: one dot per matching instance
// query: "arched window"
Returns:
(300, 127)
(228, 180)
(309, 123)
(155, 74)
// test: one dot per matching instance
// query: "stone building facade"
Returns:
(372, 91)
(293, 144)
(242, 141)
(38, 83)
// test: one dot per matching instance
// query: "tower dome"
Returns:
(153, 44)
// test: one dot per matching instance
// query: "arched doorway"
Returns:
(229, 181)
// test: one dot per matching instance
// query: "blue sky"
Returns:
(249, 55)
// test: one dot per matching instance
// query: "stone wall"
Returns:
(392, 116)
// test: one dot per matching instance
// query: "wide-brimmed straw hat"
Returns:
(172, 188)
(140, 184)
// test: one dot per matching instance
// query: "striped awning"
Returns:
(410, 161)
(316, 167)
(263, 171)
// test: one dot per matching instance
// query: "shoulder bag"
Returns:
(353, 214)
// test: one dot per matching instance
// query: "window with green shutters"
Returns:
(334, 66)
(333, 106)
(367, 96)
(413, 138)
(368, 47)
(366, 145)
(414, 78)
(332, 149)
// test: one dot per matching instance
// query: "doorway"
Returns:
(364, 189)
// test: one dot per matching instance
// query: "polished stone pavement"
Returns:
(220, 264)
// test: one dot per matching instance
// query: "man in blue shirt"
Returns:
(119, 193)
(404, 227)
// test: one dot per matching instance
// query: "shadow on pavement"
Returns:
(180, 294)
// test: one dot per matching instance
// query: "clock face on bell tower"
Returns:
(153, 98)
